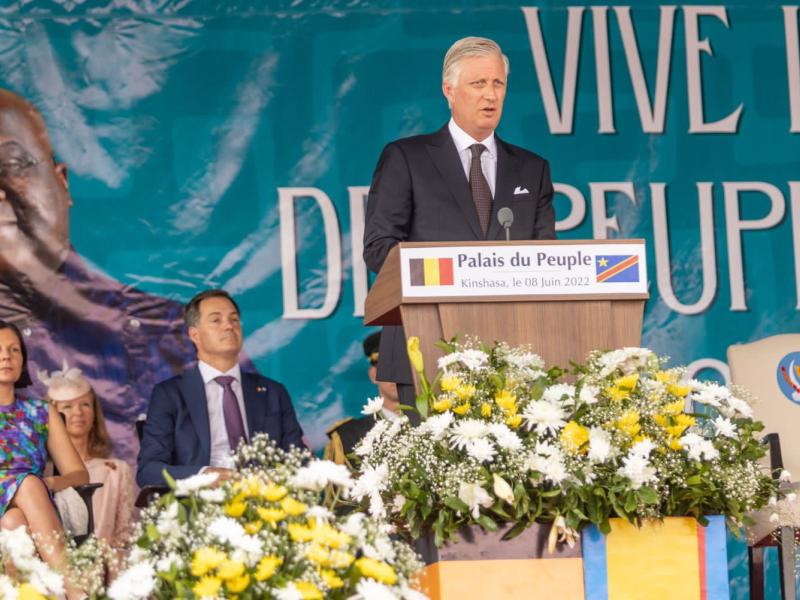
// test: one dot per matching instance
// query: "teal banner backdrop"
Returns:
(231, 144)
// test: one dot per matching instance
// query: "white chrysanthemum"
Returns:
(697, 447)
(216, 495)
(724, 427)
(167, 523)
(184, 487)
(589, 394)
(475, 497)
(17, 545)
(481, 450)
(229, 531)
(135, 583)
(466, 431)
(354, 524)
(555, 393)
(319, 513)
(544, 417)
(319, 473)
(739, 406)
(372, 481)
(627, 360)
(709, 393)
(437, 425)
(525, 360)
(473, 360)
(637, 468)
(643, 447)
(369, 589)
(373, 406)
(7, 589)
(407, 593)
(165, 563)
(549, 461)
(600, 448)
(505, 437)
(785, 476)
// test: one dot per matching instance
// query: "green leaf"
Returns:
(422, 405)
(515, 530)
(648, 495)
(456, 504)
(694, 480)
(486, 523)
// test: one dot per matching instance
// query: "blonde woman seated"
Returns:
(73, 396)
(29, 431)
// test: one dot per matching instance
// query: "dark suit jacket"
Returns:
(420, 193)
(177, 435)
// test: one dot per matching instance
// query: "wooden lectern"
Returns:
(437, 290)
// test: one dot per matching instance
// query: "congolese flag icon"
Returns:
(431, 271)
(617, 269)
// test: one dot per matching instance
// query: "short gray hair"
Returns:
(466, 47)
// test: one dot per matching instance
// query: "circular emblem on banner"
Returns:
(789, 376)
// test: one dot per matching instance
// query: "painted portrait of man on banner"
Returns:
(124, 341)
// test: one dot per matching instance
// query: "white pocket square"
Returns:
(520, 190)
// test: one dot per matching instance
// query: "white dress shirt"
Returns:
(220, 446)
(488, 158)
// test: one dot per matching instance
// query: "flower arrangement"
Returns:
(503, 440)
(31, 578)
(264, 534)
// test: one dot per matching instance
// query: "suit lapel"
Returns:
(253, 404)
(194, 391)
(444, 155)
(507, 176)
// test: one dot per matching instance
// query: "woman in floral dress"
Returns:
(30, 430)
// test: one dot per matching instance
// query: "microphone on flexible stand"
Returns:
(506, 217)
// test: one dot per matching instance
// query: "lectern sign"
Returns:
(523, 269)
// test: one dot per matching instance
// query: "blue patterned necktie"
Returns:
(230, 410)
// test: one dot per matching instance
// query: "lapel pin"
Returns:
(261, 389)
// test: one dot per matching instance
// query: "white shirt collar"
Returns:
(463, 140)
(208, 373)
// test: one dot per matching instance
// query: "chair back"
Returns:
(770, 369)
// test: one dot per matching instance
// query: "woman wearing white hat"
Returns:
(113, 503)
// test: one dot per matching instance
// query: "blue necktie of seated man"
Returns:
(234, 424)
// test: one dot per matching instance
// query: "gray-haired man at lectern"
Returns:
(451, 184)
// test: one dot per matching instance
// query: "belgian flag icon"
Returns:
(431, 271)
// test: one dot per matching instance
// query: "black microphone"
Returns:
(506, 217)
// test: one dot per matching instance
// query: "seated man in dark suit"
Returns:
(196, 419)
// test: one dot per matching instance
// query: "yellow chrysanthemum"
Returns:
(507, 401)
(685, 420)
(640, 438)
(675, 444)
(273, 493)
(442, 404)
(28, 592)
(629, 423)
(340, 560)
(675, 430)
(235, 508)
(462, 409)
(251, 487)
(293, 508)
(331, 579)
(449, 383)
(616, 393)
(627, 382)
(678, 390)
(486, 409)
(300, 533)
(308, 591)
(674, 408)
(230, 569)
(514, 421)
(271, 515)
(465, 391)
(331, 537)
(206, 559)
(661, 420)
(377, 570)
(574, 435)
(253, 527)
(207, 586)
(414, 355)
(318, 554)
(267, 566)
(667, 376)
(238, 585)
